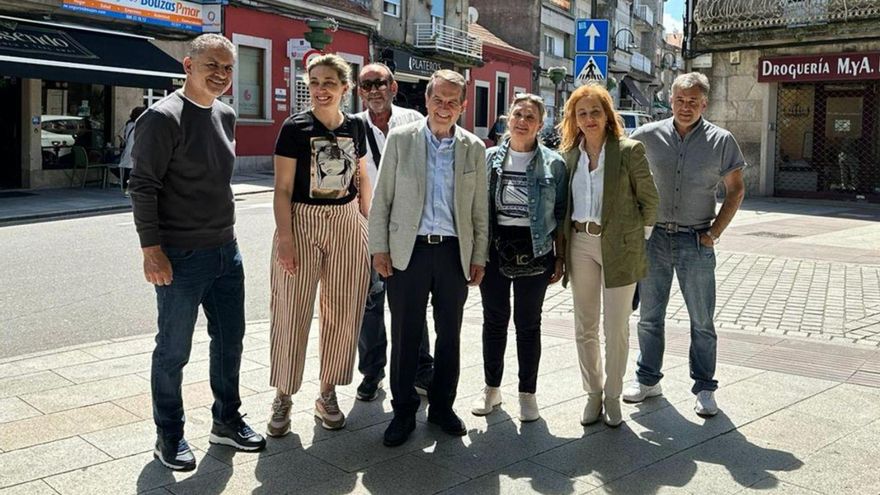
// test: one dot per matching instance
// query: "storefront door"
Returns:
(827, 141)
(10, 132)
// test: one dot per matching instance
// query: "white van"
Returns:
(633, 120)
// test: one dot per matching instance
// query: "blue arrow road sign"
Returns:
(591, 35)
(590, 66)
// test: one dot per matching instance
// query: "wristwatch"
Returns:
(715, 238)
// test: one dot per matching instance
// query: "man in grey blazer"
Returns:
(429, 235)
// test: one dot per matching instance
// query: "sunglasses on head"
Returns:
(379, 84)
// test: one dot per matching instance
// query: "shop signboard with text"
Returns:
(855, 66)
(175, 14)
(409, 63)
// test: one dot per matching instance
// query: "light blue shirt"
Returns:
(437, 212)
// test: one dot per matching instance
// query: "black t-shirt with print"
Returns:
(326, 161)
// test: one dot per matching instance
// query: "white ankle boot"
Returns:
(592, 409)
(486, 403)
(528, 407)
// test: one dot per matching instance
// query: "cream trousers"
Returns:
(587, 287)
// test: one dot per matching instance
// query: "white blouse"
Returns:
(587, 188)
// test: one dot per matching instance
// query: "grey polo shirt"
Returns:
(687, 171)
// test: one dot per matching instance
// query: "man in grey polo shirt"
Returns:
(689, 157)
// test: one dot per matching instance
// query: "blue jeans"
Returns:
(694, 265)
(214, 279)
(373, 343)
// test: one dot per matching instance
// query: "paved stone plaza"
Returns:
(798, 312)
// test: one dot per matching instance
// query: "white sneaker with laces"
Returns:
(637, 392)
(487, 402)
(705, 404)
(528, 407)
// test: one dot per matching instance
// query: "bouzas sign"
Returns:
(854, 66)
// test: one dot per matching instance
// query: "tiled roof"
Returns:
(488, 38)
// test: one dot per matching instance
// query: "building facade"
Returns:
(635, 52)
(416, 38)
(506, 71)
(801, 101)
(268, 83)
(545, 28)
(70, 75)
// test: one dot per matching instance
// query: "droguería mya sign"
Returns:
(178, 14)
(856, 66)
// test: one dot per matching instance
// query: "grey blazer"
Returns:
(399, 196)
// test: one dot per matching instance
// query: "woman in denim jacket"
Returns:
(528, 190)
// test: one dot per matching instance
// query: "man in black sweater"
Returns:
(184, 212)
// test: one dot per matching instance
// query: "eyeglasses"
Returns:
(379, 84)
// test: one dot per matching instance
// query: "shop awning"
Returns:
(635, 92)
(69, 53)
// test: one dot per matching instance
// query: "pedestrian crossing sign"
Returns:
(590, 67)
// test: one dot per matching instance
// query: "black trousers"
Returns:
(528, 299)
(435, 270)
(373, 344)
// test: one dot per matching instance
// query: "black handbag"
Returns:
(514, 255)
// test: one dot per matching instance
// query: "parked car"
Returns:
(59, 131)
(633, 120)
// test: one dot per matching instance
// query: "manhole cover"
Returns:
(775, 235)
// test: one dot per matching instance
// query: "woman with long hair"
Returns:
(322, 196)
(611, 211)
(528, 190)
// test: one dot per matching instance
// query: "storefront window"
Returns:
(250, 83)
(826, 141)
(73, 114)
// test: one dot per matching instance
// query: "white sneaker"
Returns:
(490, 399)
(637, 392)
(705, 404)
(528, 407)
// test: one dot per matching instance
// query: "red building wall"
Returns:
(259, 139)
(517, 65)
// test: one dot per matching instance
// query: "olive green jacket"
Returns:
(629, 204)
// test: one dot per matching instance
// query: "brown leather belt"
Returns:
(591, 228)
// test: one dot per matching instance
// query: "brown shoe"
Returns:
(279, 421)
(327, 409)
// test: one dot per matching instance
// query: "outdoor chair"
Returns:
(81, 162)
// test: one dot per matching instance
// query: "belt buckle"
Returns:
(671, 227)
(587, 229)
(434, 238)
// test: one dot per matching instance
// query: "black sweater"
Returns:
(183, 157)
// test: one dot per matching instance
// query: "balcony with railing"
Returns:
(641, 63)
(449, 40)
(720, 16)
(643, 15)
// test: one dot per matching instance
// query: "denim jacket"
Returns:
(548, 192)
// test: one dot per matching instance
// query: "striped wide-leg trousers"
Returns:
(331, 242)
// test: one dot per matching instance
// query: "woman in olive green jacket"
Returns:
(611, 210)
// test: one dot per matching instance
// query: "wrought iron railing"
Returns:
(443, 38)
(716, 16)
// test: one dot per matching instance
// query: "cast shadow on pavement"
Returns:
(678, 447)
